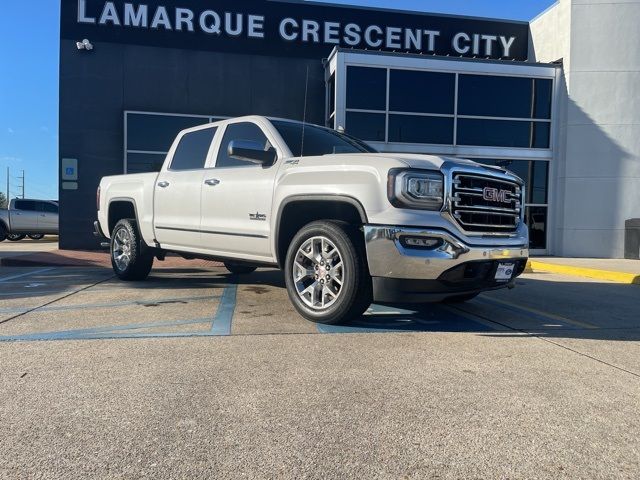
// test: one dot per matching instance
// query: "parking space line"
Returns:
(221, 324)
(91, 333)
(109, 305)
(536, 314)
(380, 319)
(27, 274)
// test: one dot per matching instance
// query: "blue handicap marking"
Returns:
(69, 170)
(431, 318)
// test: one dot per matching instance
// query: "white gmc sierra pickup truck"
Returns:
(347, 225)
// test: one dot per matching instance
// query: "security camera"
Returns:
(84, 45)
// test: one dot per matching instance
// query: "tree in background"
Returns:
(3, 200)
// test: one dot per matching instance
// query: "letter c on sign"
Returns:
(368, 37)
(456, 43)
(289, 34)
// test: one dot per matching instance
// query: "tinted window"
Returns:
(422, 92)
(503, 133)
(192, 150)
(536, 219)
(366, 126)
(144, 162)
(27, 205)
(543, 93)
(48, 207)
(239, 131)
(156, 133)
(367, 88)
(317, 141)
(332, 94)
(484, 95)
(417, 129)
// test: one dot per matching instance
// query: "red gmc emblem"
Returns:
(496, 195)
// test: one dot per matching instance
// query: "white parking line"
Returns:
(13, 277)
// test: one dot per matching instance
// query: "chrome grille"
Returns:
(486, 204)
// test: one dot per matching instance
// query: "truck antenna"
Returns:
(304, 115)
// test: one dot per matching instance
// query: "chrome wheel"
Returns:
(121, 251)
(318, 273)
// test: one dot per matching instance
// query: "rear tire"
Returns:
(37, 236)
(129, 259)
(14, 237)
(326, 272)
(3, 233)
(239, 269)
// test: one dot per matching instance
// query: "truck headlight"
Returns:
(420, 189)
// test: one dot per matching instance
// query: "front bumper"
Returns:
(450, 268)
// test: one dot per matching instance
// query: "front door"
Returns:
(48, 219)
(178, 188)
(237, 198)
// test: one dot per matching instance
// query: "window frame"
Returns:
(180, 137)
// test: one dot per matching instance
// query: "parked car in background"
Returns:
(347, 225)
(27, 217)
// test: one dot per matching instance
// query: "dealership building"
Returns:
(554, 100)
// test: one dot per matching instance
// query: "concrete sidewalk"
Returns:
(612, 270)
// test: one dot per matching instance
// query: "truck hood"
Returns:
(422, 161)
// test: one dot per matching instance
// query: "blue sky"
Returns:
(29, 78)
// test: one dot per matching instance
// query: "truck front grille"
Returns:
(486, 204)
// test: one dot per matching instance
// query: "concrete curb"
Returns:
(610, 276)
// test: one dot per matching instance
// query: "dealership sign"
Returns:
(289, 28)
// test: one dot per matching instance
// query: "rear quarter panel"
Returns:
(138, 189)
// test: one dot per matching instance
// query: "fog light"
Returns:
(421, 242)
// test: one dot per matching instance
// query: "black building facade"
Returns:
(133, 74)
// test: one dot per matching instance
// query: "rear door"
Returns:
(48, 219)
(177, 190)
(24, 216)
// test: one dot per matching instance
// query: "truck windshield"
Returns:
(317, 140)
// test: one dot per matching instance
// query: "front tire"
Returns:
(130, 261)
(14, 237)
(3, 233)
(37, 236)
(326, 273)
(239, 269)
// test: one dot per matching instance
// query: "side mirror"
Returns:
(253, 152)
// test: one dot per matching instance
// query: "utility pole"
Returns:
(8, 196)
(22, 186)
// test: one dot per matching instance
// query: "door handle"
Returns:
(212, 182)
(163, 184)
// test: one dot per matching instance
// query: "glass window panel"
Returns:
(26, 205)
(156, 133)
(536, 219)
(317, 141)
(418, 129)
(367, 88)
(192, 150)
(492, 96)
(537, 186)
(503, 133)
(422, 92)
(240, 131)
(144, 162)
(366, 126)
(332, 94)
(543, 93)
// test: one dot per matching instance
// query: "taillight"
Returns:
(98, 199)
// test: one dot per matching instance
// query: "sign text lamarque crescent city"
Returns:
(258, 26)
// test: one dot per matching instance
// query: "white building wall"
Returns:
(597, 164)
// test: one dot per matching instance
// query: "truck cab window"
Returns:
(239, 131)
(26, 205)
(192, 150)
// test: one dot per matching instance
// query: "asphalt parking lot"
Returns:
(197, 373)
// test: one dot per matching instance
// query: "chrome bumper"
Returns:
(389, 258)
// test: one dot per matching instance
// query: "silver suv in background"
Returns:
(27, 217)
